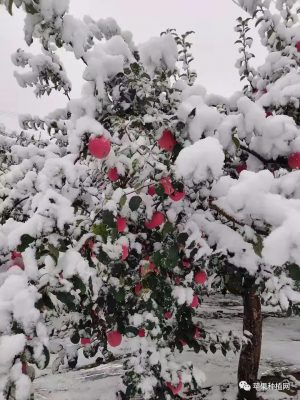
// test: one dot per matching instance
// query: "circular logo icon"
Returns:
(244, 385)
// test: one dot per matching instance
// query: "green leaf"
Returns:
(103, 257)
(75, 338)
(168, 228)
(294, 271)
(134, 203)
(144, 75)
(108, 218)
(68, 299)
(78, 284)
(131, 329)
(157, 258)
(172, 257)
(135, 164)
(160, 191)
(9, 6)
(26, 240)
(258, 246)
(212, 348)
(269, 33)
(120, 296)
(101, 230)
(236, 141)
(123, 201)
(259, 21)
(150, 281)
(135, 68)
(30, 9)
(182, 238)
(53, 252)
(44, 302)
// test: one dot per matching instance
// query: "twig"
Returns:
(235, 221)
(224, 213)
(255, 154)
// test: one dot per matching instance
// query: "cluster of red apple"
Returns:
(16, 260)
(114, 339)
(100, 147)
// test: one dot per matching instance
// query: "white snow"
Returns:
(201, 161)
(159, 52)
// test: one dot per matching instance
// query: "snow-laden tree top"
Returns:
(122, 204)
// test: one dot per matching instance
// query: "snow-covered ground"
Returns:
(281, 350)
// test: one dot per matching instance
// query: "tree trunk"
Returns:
(250, 353)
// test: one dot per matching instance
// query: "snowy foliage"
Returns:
(110, 211)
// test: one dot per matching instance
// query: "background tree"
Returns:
(93, 211)
(134, 194)
(259, 135)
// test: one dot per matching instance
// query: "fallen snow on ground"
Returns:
(280, 349)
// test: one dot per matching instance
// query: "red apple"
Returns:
(294, 161)
(197, 333)
(157, 219)
(90, 244)
(297, 45)
(151, 190)
(241, 167)
(24, 368)
(175, 389)
(138, 289)
(21, 266)
(99, 147)
(125, 252)
(200, 277)
(121, 224)
(146, 269)
(178, 280)
(168, 315)
(177, 196)
(182, 342)
(195, 302)
(167, 141)
(15, 254)
(85, 341)
(17, 259)
(113, 174)
(167, 185)
(142, 332)
(114, 338)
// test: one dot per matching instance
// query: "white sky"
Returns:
(214, 50)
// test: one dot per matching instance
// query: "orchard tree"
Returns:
(273, 86)
(248, 209)
(93, 218)
(114, 217)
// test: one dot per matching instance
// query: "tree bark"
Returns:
(250, 353)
